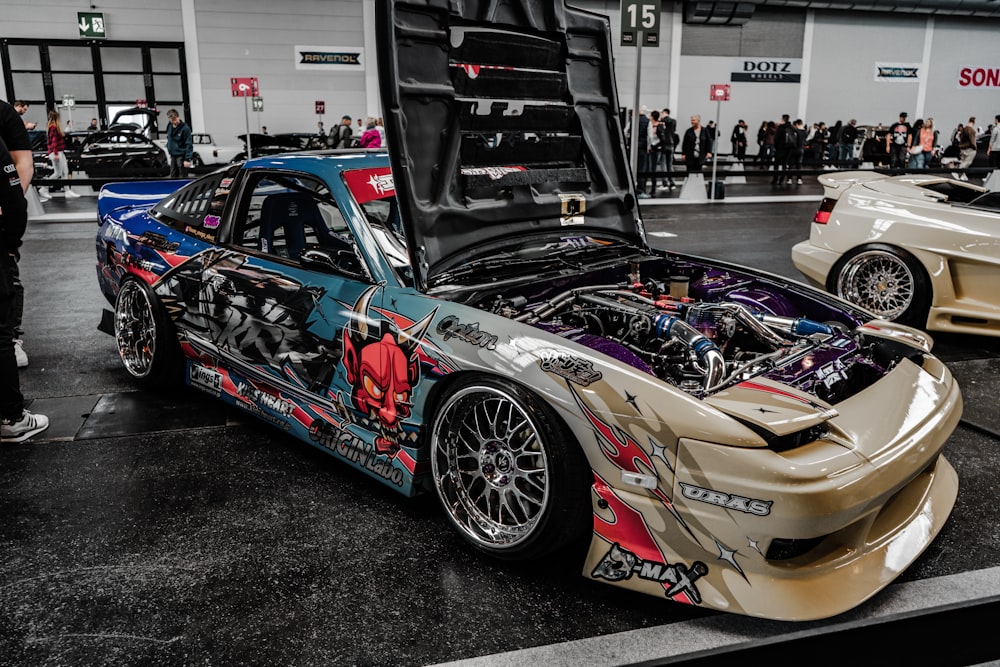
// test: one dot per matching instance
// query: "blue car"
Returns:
(475, 313)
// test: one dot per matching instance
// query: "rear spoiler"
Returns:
(133, 194)
(834, 184)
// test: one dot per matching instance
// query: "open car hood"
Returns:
(501, 122)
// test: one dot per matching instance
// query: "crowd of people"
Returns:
(782, 146)
(370, 133)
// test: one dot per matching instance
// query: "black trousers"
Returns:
(11, 399)
(177, 168)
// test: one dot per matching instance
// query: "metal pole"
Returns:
(634, 148)
(246, 112)
(715, 153)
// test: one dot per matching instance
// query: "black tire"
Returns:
(508, 472)
(886, 280)
(146, 338)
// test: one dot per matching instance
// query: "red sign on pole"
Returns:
(141, 104)
(320, 107)
(719, 92)
(244, 86)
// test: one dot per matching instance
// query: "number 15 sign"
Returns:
(644, 16)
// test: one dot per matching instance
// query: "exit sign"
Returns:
(92, 25)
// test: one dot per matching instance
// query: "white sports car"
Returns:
(918, 249)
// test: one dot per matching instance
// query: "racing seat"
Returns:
(298, 217)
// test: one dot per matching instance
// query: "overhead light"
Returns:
(718, 13)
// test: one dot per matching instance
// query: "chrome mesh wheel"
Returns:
(879, 281)
(490, 467)
(135, 329)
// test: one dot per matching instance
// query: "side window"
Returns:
(287, 213)
(197, 208)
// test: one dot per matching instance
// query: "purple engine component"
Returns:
(824, 365)
(598, 344)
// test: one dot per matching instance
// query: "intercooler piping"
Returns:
(709, 355)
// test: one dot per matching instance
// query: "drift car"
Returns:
(477, 314)
(919, 249)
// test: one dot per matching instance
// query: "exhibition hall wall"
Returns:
(819, 65)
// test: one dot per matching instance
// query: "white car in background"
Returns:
(919, 249)
(207, 153)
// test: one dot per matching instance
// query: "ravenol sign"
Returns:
(91, 25)
(330, 58)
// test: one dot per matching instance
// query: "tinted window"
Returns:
(283, 214)
(990, 200)
(956, 192)
(197, 207)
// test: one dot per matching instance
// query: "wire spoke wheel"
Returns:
(490, 466)
(878, 281)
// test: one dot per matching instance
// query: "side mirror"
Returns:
(340, 262)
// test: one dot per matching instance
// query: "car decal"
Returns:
(383, 369)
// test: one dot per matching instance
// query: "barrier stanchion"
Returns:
(992, 182)
(35, 208)
(694, 187)
(736, 175)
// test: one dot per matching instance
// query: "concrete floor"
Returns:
(145, 528)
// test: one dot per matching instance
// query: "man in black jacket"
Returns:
(667, 129)
(697, 146)
(848, 137)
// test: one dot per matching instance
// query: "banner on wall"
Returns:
(897, 72)
(767, 70)
(971, 78)
(330, 58)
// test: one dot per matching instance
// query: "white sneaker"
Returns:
(800, 181)
(43, 195)
(21, 429)
(20, 354)
(71, 195)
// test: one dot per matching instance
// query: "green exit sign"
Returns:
(92, 25)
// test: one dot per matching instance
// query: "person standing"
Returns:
(21, 107)
(180, 145)
(915, 158)
(16, 423)
(993, 148)
(782, 136)
(739, 140)
(14, 134)
(897, 142)
(340, 136)
(767, 146)
(371, 138)
(696, 146)
(653, 147)
(796, 151)
(848, 137)
(967, 147)
(57, 155)
(761, 136)
(641, 134)
(668, 142)
(832, 152)
(925, 139)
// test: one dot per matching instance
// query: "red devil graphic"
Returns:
(382, 367)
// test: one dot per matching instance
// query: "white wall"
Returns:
(257, 38)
